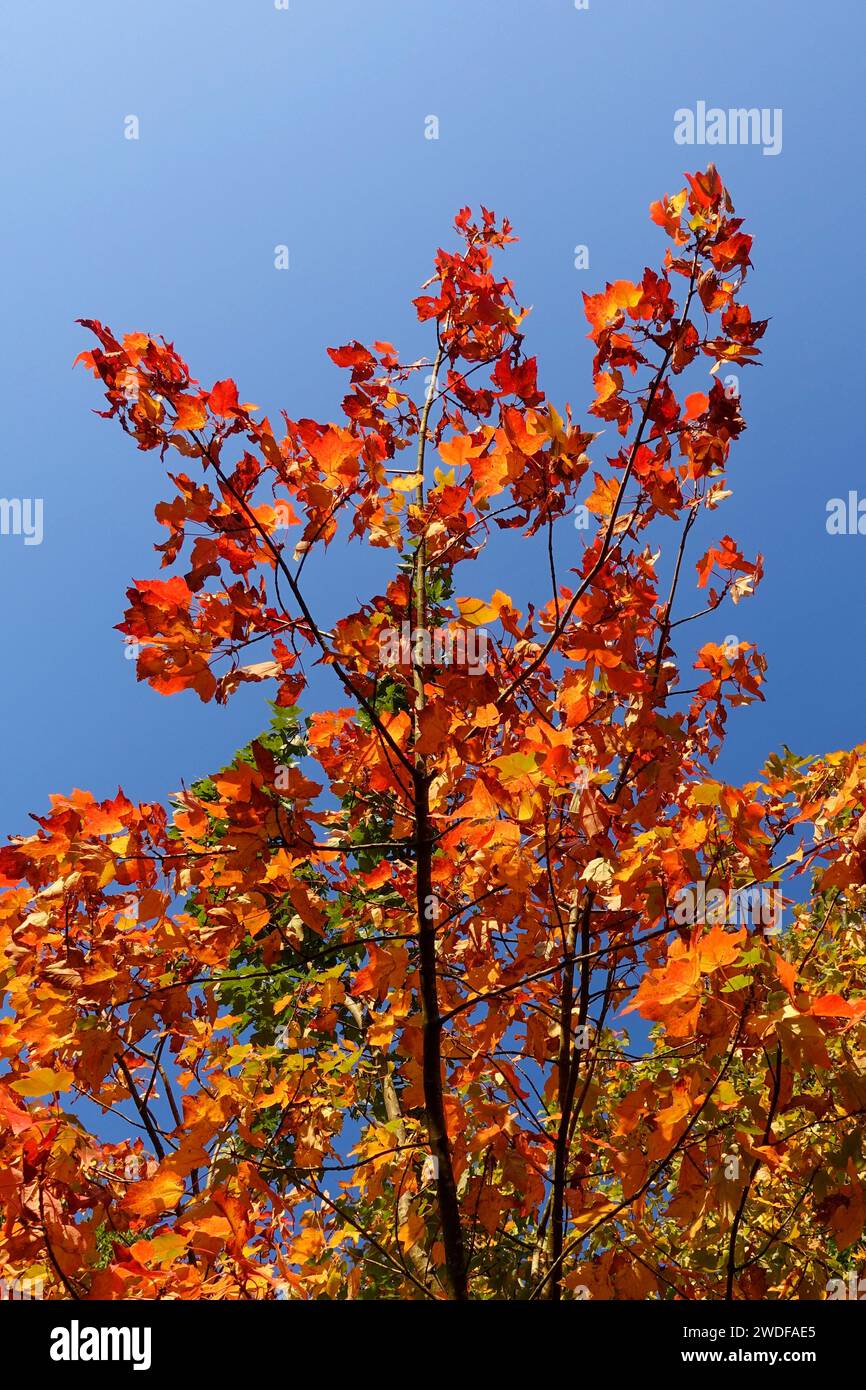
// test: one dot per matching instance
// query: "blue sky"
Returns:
(305, 127)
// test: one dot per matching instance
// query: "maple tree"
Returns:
(362, 997)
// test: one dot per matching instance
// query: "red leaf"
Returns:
(224, 398)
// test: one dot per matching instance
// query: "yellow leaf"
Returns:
(585, 1219)
(43, 1082)
(513, 765)
(409, 483)
(411, 1231)
(474, 612)
(164, 1249)
(706, 794)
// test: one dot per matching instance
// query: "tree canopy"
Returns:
(483, 983)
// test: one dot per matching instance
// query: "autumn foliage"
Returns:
(398, 1003)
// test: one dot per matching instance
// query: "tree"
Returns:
(363, 995)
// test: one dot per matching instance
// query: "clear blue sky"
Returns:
(259, 127)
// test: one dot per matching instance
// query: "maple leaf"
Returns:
(223, 398)
(43, 1081)
(606, 308)
(152, 1196)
